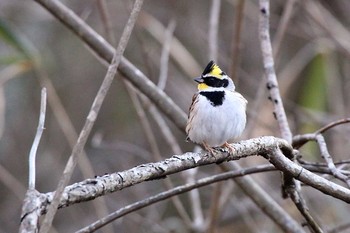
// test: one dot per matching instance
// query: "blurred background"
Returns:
(311, 41)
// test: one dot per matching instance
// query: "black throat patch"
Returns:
(216, 98)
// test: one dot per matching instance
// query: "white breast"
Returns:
(219, 124)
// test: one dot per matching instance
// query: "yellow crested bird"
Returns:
(217, 114)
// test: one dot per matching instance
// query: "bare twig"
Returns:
(155, 149)
(93, 188)
(279, 161)
(329, 161)
(214, 18)
(164, 57)
(30, 212)
(331, 25)
(195, 199)
(332, 124)
(213, 29)
(91, 117)
(272, 84)
(35, 145)
(264, 201)
(137, 105)
(282, 27)
(300, 140)
(289, 185)
(159, 119)
(106, 51)
(103, 9)
(70, 133)
(236, 41)
(178, 51)
(173, 192)
(145, 123)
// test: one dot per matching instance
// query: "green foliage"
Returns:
(13, 39)
(313, 95)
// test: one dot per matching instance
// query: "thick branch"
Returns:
(173, 192)
(92, 188)
(284, 164)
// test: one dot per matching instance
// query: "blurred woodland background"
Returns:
(311, 41)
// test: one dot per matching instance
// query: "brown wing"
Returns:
(191, 114)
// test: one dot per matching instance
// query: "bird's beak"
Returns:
(199, 80)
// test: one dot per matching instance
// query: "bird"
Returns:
(217, 114)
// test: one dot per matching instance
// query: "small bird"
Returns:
(217, 114)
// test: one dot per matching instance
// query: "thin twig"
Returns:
(300, 140)
(329, 161)
(213, 29)
(282, 27)
(35, 145)
(195, 199)
(272, 84)
(331, 25)
(214, 19)
(264, 201)
(143, 118)
(69, 131)
(101, 47)
(30, 212)
(146, 126)
(145, 123)
(178, 51)
(214, 212)
(318, 164)
(236, 41)
(91, 117)
(332, 124)
(173, 192)
(305, 176)
(164, 57)
(168, 136)
(106, 22)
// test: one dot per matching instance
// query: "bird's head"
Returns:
(213, 77)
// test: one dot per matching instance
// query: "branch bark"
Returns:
(266, 146)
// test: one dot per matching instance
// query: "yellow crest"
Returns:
(212, 69)
(216, 71)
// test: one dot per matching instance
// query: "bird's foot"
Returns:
(208, 148)
(229, 147)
